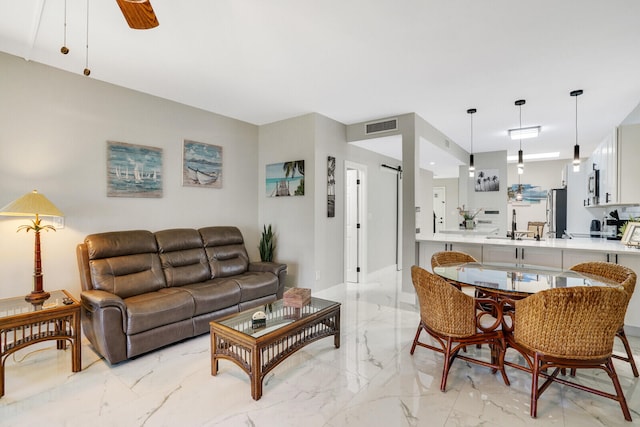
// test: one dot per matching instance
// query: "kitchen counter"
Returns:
(583, 244)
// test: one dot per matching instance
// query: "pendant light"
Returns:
(576, 148)
(472, 168)
(87, 70)
(520, 103)
(64, 49)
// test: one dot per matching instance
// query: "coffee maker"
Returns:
(611, 226)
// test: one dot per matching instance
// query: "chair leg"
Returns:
(415, 340)
(611, 370)
(534, 386)
(448, 360)
(627, 348)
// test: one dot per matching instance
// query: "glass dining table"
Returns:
(515, 280)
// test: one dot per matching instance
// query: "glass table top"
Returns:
(517, 278)
(17, 305)
(277, 314)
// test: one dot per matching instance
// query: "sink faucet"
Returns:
(513, 226)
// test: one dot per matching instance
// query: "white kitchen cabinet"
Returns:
(427, 249)
(628, 172)
(547, 257)
(573, 257)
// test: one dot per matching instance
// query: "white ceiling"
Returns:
(358, 60)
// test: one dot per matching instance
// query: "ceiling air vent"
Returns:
(384, 126)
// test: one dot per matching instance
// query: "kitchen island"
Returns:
(554, 253)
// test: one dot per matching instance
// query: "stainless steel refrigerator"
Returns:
(557, 212)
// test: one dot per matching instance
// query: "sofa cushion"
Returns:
(124, 263)
(256, 285)
(182, 255)
(225, 251)
(213, 295)
(154, 309)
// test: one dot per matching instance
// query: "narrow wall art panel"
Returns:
(201, 165)
(331, 186)
(133, 170)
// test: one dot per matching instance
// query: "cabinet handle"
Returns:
(516, 253)
(606, 197)
(607, 257)
(522, 253)
(616, 258)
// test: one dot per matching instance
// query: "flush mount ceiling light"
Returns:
(524, 133)
(472, 168)
(576, 148)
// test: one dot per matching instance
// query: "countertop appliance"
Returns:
(557, 212)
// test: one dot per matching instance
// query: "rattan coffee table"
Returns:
(288, 329)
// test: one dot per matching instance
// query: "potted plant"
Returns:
(267, 244)
(469, 216)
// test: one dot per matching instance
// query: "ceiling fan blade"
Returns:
(139, 14)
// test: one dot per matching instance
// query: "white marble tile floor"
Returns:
(371, 380)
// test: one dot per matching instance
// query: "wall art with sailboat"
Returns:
(133, 170)
(201, 165)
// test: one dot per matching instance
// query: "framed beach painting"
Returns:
(133, 170)
(201, 165)
(285, 179)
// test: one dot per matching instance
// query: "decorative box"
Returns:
(297, 297)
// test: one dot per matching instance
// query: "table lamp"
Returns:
(36, 204)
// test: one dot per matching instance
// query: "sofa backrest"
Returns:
(125, 263)
(225, 251)
(182, 256)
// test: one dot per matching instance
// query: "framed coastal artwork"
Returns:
(133, 170)
(487, 180)
(285, 179)
(331, 186)
(201, 165)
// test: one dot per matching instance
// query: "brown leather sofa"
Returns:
(144, 290)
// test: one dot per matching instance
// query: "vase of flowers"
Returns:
(469, 216)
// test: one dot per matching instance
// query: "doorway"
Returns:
(355, 223)
(439, 209)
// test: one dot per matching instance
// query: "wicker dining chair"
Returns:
(565, 329)
(444, 258)
(454, 321)
(450, 257)
(627, 278)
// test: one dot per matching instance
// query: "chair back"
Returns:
(615, 272)
(443, 308)
(578, 322)
(450, 257)
(535, 228)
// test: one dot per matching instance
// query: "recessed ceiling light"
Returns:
(537, 156)
(524, 133)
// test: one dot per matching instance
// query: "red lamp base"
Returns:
(37, 297)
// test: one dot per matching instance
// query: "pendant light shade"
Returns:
(472, 167)
(576, 148)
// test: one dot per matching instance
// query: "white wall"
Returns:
(291, 217)
(54, 127)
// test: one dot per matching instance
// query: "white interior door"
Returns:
(351, 226)
(439, 208)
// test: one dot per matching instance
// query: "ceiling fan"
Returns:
(138, 13)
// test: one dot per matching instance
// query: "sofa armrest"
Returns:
(96, 299)
(104, 322)
(279, 270)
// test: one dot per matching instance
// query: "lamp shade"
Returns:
(32, 203)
